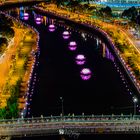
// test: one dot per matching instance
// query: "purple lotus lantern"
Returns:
(66, 35)
(72, 46)
(85, 73)
(80, 59)
(26, 16)
(38, 20)
(51, 28)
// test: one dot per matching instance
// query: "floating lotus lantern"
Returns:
(66, 35)
(85, 73)
(72, 46)
(80, 59)
(38, 20)
(26, 16)
(51, 28)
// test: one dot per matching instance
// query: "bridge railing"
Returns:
(82, 118)
(80, 124)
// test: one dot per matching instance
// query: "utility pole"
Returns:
(62, 105)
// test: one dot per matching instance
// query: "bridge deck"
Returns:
(64, 125)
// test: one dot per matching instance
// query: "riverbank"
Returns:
(15, 69)
(124, 46)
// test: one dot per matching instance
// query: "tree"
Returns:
(105, 11)
(73, 4)
(138, 19)
(5, 21)
(3, 44)
(58, 2)
(130, 13)
(3, 41)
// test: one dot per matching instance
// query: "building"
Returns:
(121, 1)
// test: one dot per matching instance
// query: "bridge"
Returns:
(70, 125)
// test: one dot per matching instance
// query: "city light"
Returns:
(135, 100)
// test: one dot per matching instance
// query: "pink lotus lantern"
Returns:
(66, 35)
(80, 59)
(38, 20)
(26, 16)
(72, 45)
(51, 28)
(85, 73)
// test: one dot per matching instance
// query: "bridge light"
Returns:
(85, 73)
(72, 46)
(66, 35)
(80, 59)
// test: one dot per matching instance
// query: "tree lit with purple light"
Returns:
(85, 73)
(51, 28)
(26, 16)
(66, 35)
(80, 59)
(72, 46)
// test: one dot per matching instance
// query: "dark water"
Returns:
(59, 76)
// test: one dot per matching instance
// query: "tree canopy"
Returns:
(130, 13)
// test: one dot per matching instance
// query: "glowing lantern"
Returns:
(80, 59)
(72, 45)
(26, 16)
(51, 28)
(38, 20)
(66, 35)
(85, 73)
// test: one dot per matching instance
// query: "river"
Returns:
(59, 86)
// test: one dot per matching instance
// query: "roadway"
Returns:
(58, 125)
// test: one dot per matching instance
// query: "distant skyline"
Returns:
(121, 1)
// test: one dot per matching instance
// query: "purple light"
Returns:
(38, 20)
(66, 34)
(51, 28)
(26, 16)
(85, 73)
(80, 59)
(72, 46)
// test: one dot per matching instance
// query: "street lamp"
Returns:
(62, 100)
(135, 100)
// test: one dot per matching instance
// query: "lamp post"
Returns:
(62, 100)
(135, 100)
